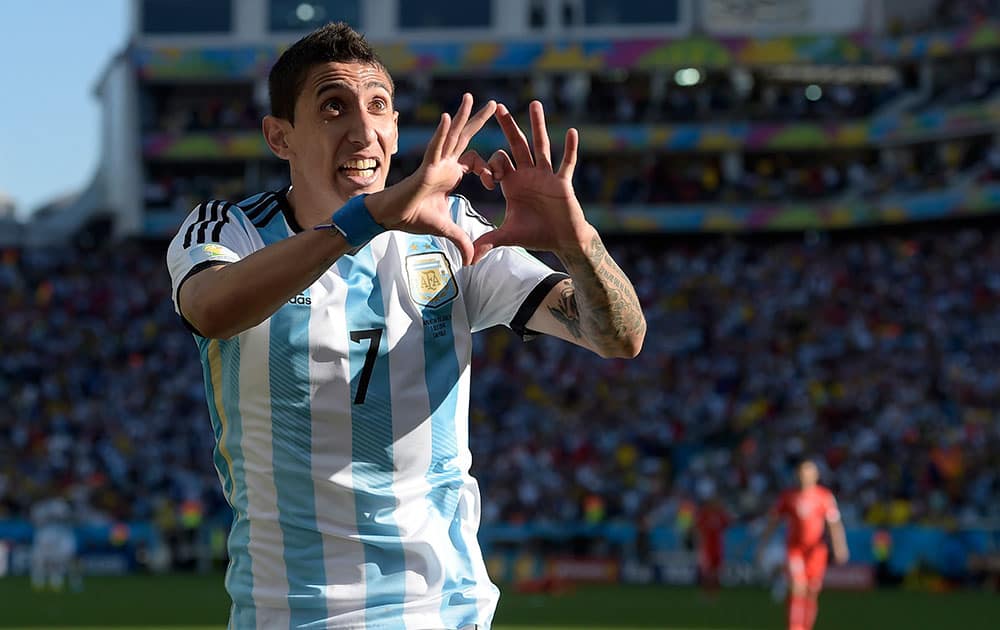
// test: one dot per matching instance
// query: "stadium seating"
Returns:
(875, 353)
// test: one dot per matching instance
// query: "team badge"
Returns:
(431, 281)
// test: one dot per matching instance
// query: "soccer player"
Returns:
(334, 322)
(710, 524)
(807, 511)
(53, 549)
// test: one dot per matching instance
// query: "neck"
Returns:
(310, 207)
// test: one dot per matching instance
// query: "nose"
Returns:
(362, 132)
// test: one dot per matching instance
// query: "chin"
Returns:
(349, 188)
(373, 187)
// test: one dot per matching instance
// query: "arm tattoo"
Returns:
(607, 308)
(567, 312)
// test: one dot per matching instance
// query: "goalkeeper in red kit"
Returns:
(807, 510)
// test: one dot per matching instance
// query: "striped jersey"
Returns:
(341, 424)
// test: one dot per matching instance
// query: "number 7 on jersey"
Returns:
(374, 336)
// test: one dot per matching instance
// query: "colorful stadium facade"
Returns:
(238, 42)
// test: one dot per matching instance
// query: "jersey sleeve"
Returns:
(507, 285)
(212, 234)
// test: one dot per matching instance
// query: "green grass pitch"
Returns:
(188, 602)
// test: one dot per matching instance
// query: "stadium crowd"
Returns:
(580, 97)
(104, 402)
(874, 354)
(623, 98)
(677, 178)
(643, 97)
(947, 14)
(203, 111)
(878, 354)
(664, 178)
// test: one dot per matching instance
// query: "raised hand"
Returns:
(597, 307)
(542, 211)
(419, 203)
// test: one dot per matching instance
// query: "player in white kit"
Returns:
(53, 548)
(336, 351)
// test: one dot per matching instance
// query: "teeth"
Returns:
(360, 165)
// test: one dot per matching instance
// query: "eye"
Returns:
(333, 105)
(379, 104)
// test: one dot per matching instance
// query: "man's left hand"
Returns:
(542, 210)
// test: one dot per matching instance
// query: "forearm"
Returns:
(609, 315)
(224, 301)
(839, 538)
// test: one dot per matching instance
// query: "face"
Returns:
(808, 474)
(344, 134)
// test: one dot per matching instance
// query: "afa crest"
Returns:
(430, 279)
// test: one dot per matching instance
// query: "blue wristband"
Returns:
(354, 222)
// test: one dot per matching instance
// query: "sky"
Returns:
(52, 53)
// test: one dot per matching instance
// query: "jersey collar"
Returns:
(286, 209)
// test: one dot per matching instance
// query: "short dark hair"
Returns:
(336, 42)
(802, 460)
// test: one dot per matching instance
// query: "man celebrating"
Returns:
(336, 349)
(807, 511)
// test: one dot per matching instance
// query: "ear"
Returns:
(276, 132)
(395, 142)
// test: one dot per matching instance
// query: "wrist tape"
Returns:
(354, 222)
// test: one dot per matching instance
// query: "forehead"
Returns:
(354, 76)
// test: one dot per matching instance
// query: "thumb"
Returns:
(500, 164)
(486, 242)
(472, 162)
(461, 239)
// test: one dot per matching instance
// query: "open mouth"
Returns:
(361, 171)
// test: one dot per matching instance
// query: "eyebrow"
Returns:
(342, 85)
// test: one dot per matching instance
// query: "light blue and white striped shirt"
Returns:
(341, 424)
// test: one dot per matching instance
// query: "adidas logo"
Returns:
(301, 299)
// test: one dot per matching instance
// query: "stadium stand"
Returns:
(873, 351)
(876, 352)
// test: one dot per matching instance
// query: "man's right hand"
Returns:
(419, 204)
